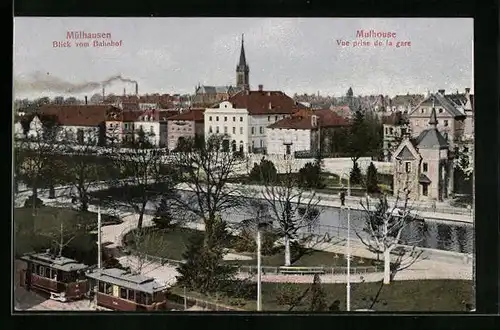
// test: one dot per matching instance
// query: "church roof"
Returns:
(213, 89)
(405, 154)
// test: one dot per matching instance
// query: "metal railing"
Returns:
(275, 270)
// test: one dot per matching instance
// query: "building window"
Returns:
(225, 129)
(275, 118)
(422, 110)
(440, 110)
(225, 118)
(210, 129)
(217, 129)
(217, 118)
(210, 118)
(241, 118)
(391, 130)
(261, 143)
(126, 126)
(241, 130)
(425, 190)
(407, 167)
(424, 167)
(268, 118)
(261, 130)
(234, 118)
(234, 130)
(446, 123)
(253, 130)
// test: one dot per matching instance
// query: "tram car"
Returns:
(63, 278)
(121, 290)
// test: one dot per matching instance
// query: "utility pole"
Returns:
(99, 238)
(259, 274)
(348, 286)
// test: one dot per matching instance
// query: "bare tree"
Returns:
(290, 206)
(141, 242)
(35, 152)
(383, 227)
(64, 230)
(206, 171)
(146, 172)
(81, 166)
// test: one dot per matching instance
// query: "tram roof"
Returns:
(56, 262)
(127, 279)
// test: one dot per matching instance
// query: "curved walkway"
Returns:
(423, 269)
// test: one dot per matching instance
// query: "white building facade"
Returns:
(230, 121)
(287, 141)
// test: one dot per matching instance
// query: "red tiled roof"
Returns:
(302, 120)
(259, 102)
(191, 115)
(78, 115)
(342, 110)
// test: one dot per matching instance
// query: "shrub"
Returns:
(287, 294)
(29, 202)
(372, 179)
(355, 175)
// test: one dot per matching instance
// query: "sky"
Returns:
(294, 55)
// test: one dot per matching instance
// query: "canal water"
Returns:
(427, 234)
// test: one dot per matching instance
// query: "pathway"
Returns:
(423, 269)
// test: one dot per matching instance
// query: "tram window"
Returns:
(141, 298)
(123, 293)
(33, 268)
(101, 286)
(40, 271)
(109, 289)
(47, 272)
(81, 276)
(131, 295)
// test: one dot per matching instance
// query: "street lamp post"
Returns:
(348, 279)
(260, 226)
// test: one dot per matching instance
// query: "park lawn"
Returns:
(173, 243)
(404, 296)
(47, 222)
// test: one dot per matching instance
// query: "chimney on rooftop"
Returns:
(467, 90)
(86, 100)
(136, 89)
(261, 88)
(103, 95)
(441, 91)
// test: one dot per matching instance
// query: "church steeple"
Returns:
(242, 69)
(243, 60)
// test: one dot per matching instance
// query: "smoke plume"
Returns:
(39, 82)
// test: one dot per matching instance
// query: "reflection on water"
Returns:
(428, 234)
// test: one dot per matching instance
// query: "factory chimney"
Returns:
(136, 89)
(124, 92)
(86, 102)
(103, 95)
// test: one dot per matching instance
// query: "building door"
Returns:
(425, 189)
(225, 145)
(288, 149)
